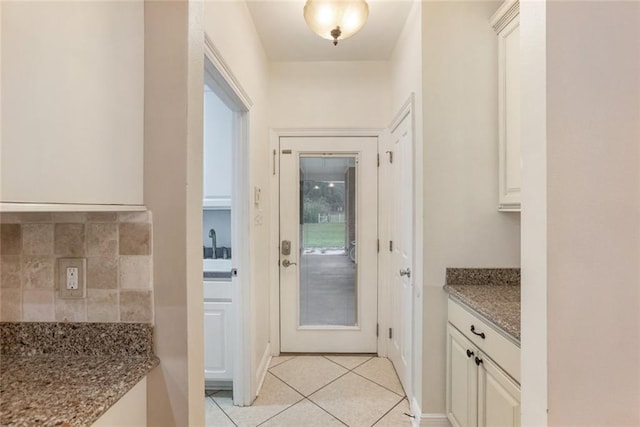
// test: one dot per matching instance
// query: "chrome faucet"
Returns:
(212, 235)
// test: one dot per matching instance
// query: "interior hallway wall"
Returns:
(460, 117)
(173, 90)
(230, 28)
(346, 94)
(593, 172)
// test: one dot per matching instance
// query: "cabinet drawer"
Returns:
(504, 352)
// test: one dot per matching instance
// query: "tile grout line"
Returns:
(223, 411)
(284, 410)
(384, 387)
(389, 411)
(281, 363)
(342, 366)
(332, 415)
(288, 407)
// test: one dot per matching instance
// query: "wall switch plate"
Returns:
(72, 277)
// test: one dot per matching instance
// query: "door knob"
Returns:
(406, 272)
(287, 263)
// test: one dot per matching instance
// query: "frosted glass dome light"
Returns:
(336, 19)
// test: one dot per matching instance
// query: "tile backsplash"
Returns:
(117, 246)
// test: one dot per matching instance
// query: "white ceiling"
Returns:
(286, 37)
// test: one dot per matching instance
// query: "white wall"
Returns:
(593, 196)
(329, 94)
(462, 225)
(406, 79)
(72, 104)
(230, 27)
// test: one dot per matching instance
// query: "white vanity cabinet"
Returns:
(218, 344)
(506, 23)
(72, 105)
(483, 373)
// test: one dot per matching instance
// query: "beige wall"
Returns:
(174, 69)
(329, 94)
(593, 172)
(462, 225)
(230, 28)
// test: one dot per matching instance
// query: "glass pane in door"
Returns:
(328, 257)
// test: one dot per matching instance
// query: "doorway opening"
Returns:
(225, 222)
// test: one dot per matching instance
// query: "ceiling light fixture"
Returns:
(336, 19)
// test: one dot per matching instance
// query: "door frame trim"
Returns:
(241, 325)
(274, 238)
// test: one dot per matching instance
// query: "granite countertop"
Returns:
(492, 293)
(66, 374)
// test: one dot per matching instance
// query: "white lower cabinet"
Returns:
(218, 361)
(498, 396)
(462, 380)
(480, 393)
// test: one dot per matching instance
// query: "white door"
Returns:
(397, 165)
(328, 244)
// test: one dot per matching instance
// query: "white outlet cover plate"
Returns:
(63, 265)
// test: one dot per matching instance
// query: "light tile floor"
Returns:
(319, 391)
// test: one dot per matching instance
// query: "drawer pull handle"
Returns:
(480, 334)
(478, 361)
(469, 354)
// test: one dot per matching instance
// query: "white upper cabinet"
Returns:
(219, 122)
(72, 93)
(507, 24)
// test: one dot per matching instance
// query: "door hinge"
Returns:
(390, 245)
(378, 245)
(390, 156)
(378, 160)
(377, 329)
(390, 333)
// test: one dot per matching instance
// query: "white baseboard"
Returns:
(261, 372)
(434, 420)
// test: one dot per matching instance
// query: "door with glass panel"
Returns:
(328, 244)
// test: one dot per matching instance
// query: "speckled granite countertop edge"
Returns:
(36, 390)
(505, 319)
(69, 374)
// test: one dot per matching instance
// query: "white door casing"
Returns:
(360, 338)
(240, 315)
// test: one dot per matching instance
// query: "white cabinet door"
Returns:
(507, 24)
(462, 380)
(498, 397)
(72, 103)
(218, 356)
(219, 131)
